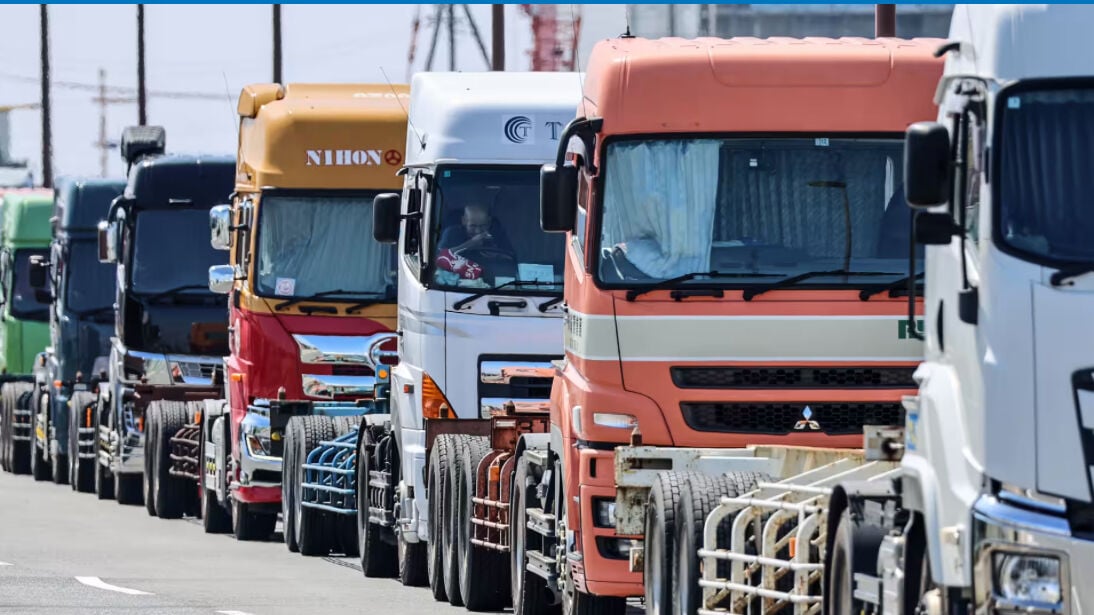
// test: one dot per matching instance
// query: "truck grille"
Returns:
(793, 377)
(834, 419)
(197, 370)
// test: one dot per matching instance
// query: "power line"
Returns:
(129, 92)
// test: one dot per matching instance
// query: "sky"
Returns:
(214, 50)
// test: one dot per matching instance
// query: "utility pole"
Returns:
(884, 20)
(47, 132)
(497, 26)
(451, 38)
(102, 123)
(142, 99)
(277, 43)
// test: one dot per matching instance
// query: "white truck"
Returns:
(480, 312)
(983, 501)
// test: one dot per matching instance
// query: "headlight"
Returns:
(1031, 581)
(256, 433)
(618, 421)
(603, 512)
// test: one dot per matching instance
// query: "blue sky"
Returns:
(215, 49)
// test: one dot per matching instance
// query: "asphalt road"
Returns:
(68, 553)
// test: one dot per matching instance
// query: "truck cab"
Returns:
(480, 283)
(309, 290)
(24, 318)
(81, 323)
(736, 264)
(170, 330)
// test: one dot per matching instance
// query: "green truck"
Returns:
(24, 318)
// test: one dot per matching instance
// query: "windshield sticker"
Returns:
(285, 287)
(821, 142)
(533, 272)
(1014, 103)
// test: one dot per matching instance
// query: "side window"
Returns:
(974, 167)
(583, 193)
(411, 237)
(241, 243)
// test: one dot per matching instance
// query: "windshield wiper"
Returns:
(326, 293)
(866, 293)
(171, 292)
(1066, 273)
(635, 293)
(459, 305)
(93, 311)
(750, 293)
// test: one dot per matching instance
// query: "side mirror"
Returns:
(108, 242)
(557, 198)
(385, 217)
(935, 229)
(39, 270)
(927, 164)
(220, 227)
(222, 278)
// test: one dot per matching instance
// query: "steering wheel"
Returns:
(487, 253)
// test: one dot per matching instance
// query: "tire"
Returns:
(171, 493)
(313, 527)
(437, 494)
(214, 518)
(251, 525)
(58, 460)
(588, 604)
(483, 581)
(529, 590)
(699, 495)
(18, 452)
(660, 534)
(128, 489)
(81, 471)
(854, 551)
(449, 524)
(347, 538)
(377, 555)
(288, 488)
(412, 561)
(153, 436)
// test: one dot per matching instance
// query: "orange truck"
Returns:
(737, 274)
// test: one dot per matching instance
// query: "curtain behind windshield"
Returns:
(24, 300)
(776, 206)
(660, 202)
(1045, 174)
(314, 244)
(89, 284)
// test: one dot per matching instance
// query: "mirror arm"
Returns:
(913, 330)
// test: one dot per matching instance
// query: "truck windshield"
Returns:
(171, 250)
(310, 244)
(89, 284)
(487, 234)
(1045, 184)
(24, 302)
(763, 207)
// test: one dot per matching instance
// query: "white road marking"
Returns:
(4, 564)
(233, 612)
(98, 583)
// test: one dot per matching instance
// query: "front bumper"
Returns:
(998, 527)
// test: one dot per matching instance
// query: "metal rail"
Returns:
(330, 476)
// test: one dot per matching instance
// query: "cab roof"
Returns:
(180, 180)
(744, 84)
(322, 136)
(82, 202)
(1007, 42)
(26, 219)
(505, 117)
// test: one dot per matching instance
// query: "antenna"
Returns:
(228, 98)
(627, 18)
(417, 135)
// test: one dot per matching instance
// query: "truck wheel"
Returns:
(450, 525)
(128, 489)
(104, 482)
(170, 492)
(854, 551)
(659, 535)
(437, 494)
(58, 460)
(377, 556)
(214, 518)
(412, 561)
(699, 495)
(81, 475)
(19, 451)
(483, 573)
(251, 525)
(289, 487)
(347, 537)
(313, 526)
(153, 435)
(529, 590)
